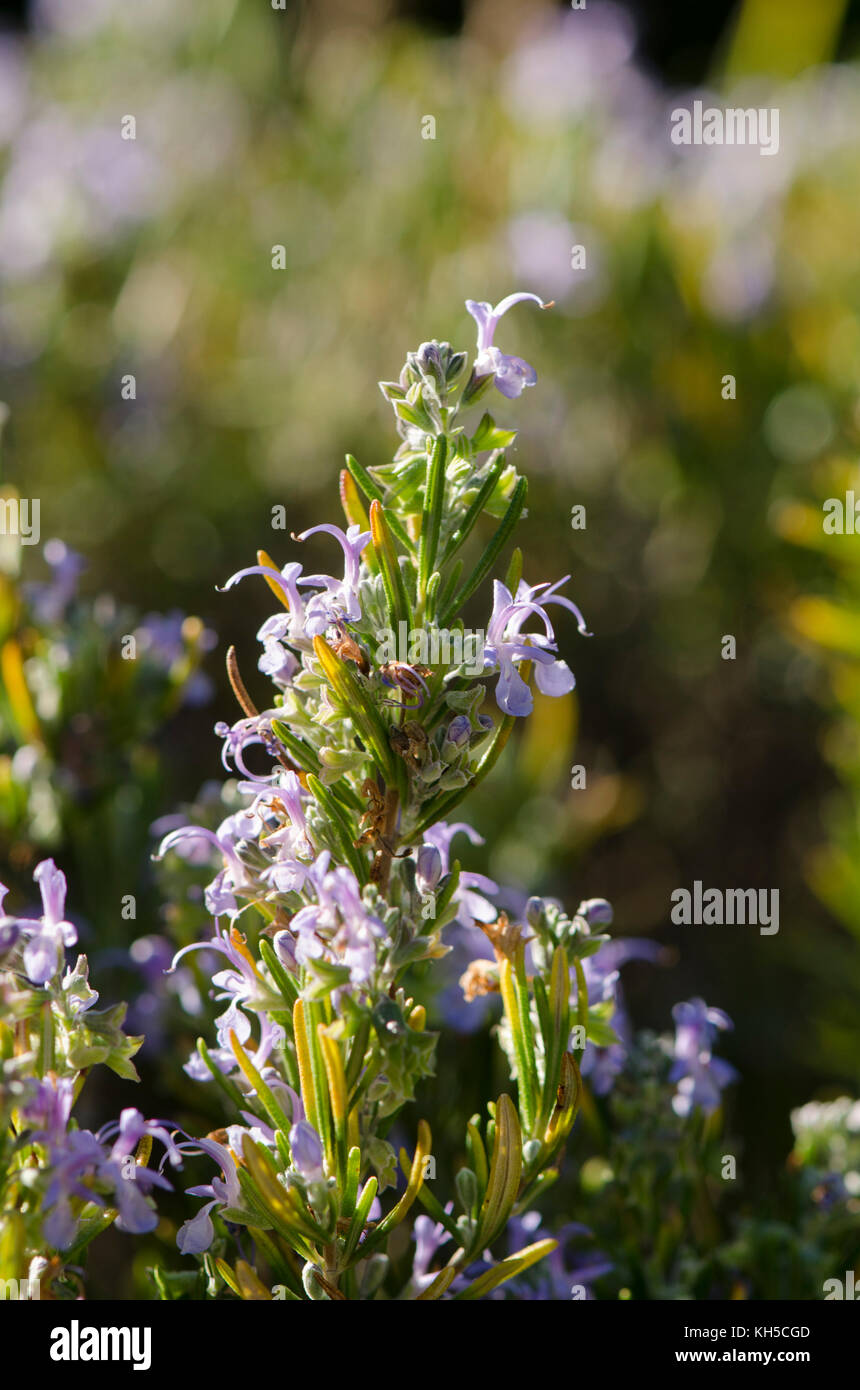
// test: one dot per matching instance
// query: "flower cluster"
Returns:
(333, 878)
(60, 1185)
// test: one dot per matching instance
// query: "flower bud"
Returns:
(429, 868)
(285, 949)
(454, 368)
(453, 779)
(428, 360)
(596, 911)
(534, 911)
(458, 733)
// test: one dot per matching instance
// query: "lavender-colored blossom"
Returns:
(237, 737)
(428, 1235)
(291, 838)
(46, 937)
(428, 869)
(220, 894)
(339, 600)
(197, 1234)
(277, 661)
(700, 1076)
(49, 601)
(457, 736)
(306, 1151)
(338, 926)
(506, 645)
(596, 911)
(242, 987)
(472, 905)
(511, 374)
(10, 929)
(290, 625)
(563, 1270)
(78, 1159)
(602, 977)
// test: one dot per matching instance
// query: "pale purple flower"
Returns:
(241, 986)
(50, 601)
(457, 734)
(555, 1276)
(220, 894)
(338, 926)
(472, 905)
(428, 1235)
(47, 937)
(197, 1234)
(289, 626)
(237, 737)
(596, 911)
(511, 374)
(277, 661)
(700, 1076)
(306, 1151)
(291, 838)
(339, 600)
(506, 645)
(428, 869)
(79, 1154)
(602, 977)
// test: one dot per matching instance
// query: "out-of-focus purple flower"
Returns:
(700, 1076)
(602, 1064)
(234, 877)
(596, 911)
(506, 646)
(428, 1235)
(10, 931)
(554, 1278)
(76, 1155)
(540, 245)
(306, 1151)
(50, 601)
(163, 638)
(159, 635)
(571, 63)
(48, 1108)
(511, 374)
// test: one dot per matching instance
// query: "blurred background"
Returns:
(302, 128)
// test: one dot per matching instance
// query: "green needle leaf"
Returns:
(491, 554)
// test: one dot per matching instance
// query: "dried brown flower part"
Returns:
(506, 936)
(410, 742)
(480, 978)
(346, 647)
